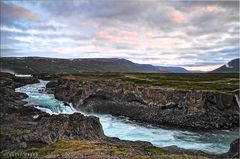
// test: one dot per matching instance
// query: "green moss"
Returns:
(2, 133)
(100, 149)
(41, 151)
(36, 144)
(153, 150)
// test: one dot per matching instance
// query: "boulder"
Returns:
(51, 84)
(21, 81)
(66, 127)
(233, 151)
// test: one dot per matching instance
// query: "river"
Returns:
(213, 142)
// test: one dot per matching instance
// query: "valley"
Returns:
(96, 93)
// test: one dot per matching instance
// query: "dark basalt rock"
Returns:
(233, 151)
(21, 81)
(66, 127)
(51, 84)
(66, 104)
(15, 80)
(234, 148)
(49, 129)
(44, 76)
(50, 87)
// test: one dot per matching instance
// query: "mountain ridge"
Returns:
(52, 65)
(231, 67)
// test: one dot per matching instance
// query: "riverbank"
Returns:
(178, 108)
(34, 131)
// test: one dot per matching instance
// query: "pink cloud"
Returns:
(176, 16)
(107, 37)
(85, 25)
(213, 9)
(128, 34)
(20, 12)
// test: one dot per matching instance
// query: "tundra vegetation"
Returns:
(228, 83)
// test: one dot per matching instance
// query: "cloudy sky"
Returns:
(199, 35)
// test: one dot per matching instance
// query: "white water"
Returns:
(215, 142)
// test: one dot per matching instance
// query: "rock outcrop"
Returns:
(17, 81)
(9, 99)
(66, 127)
(152, 104)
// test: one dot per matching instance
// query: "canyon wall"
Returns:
(151, 104)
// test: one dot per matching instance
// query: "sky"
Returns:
(197, 35)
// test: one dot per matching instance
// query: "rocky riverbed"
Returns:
(29, 130)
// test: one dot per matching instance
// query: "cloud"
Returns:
(12, 12)
(106, 36)
(176, 16)
(128, 34)
(177, 33)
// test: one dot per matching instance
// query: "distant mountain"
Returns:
(30, 65)
(173, 69)
(230, 67)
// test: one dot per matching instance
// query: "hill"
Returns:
(32, 65)
(230, 67)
